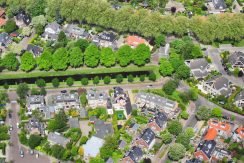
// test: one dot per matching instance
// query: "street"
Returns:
(13, 150)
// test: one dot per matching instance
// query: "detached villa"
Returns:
(51, 31)
(239, 99)
(237, 60)
(34, 102)
(216, 86)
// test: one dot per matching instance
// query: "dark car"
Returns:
(21, 153)
(225, 117)
(9, 115)
(63, 91)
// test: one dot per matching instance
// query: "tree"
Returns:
(107, 57)
(174, 127)
(170, 87)
(10, 62)
(160, 40)
(96, 160)
(74, 151)
(96, 80)
(26, 31)
(39, 29)
(75, 57)
(34, 141)
(183, 139)
(190, 132)
(84, 81)
(176, 151)
(40, 83)
(196, 51)
(62, 37)
(55, 82)
(142, 78)
(184, 115)
(110, 145)
(141, 55)
(152, 76)
(28, 62)
(176, 61)
(83, 140)
(92, 56)
(36, 7)
(60, 59)
(10, 26)
(69, 81)
(43, 91)
(130, 78)
(166, 137)
(216, 112)
(39, 20)
(192, 94)
(82, 44)
(22, 90)
(57, 151)
(45, 60)
(59, 123)
(119, 78)
(83, 99)
(165, 67)
(183, 72)
(124, 55)
(203, 113)
(107, 80)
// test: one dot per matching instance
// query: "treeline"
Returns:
(63, 57)
(149, 24)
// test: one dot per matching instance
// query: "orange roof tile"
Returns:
(135, 40)
(211, 134)
(240, 131)
(219, 125)
(2, 22)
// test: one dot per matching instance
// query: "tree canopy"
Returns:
(177, 151)
(45, 60)
(75, 57)
(141, 55)
(28, 62)
(165, 67)
(124, 55)
(10, 62)
(107, 57)
(92, 56)
(60, 59)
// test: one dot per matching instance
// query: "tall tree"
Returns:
(10, 62)
(92, 56)
(28, 62)
(22, 90)
(177, 151)
(45, 60)
(165, 67)
(141, 55)
(75, 57)
(124, 55)
(60, 59)
(107, 57)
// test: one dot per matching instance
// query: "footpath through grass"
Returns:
(82, 71)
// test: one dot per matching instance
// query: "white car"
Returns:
(10, 128)
(17, 125)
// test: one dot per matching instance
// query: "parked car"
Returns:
(226, 117)
(21, 153)
(10, 128)
(64, 91)
(17, 125)
(10, 115)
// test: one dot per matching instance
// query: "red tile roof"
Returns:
(220, 125)
(240, 131)
(2, 22)
(135, 41)
(211, 134)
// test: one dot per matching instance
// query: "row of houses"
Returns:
(212, 148)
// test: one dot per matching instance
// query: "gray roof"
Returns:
(103, 129)
(219, 82)
(35, 99)
(158, 100)
(36, 50)
(235, 57)
(96, 95)
(135, 154)
(134, 126)
(66, 97)
(199, 63)
(207, 147)
(83, 113)
(109, 160)
(160, 118)
(148, 136)
(73, 29)
(54, 26)
(122, 144)
(35, 124)
(219, 4)
(48, 110)
(107, 36)
(56, 138)
(5, 39)
(240, 96)
(74, 123)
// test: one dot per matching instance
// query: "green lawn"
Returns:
(83, 71)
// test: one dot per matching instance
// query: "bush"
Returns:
(55, 82)
(152, 76)
(142, 78)
(40, 83)
(96, 80)
(130, 78)
(84, 81)
(119, 78)
(170, 87)
(69, 81)
(184, 115)
(107, 80)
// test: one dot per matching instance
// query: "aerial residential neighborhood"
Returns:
(121, 81)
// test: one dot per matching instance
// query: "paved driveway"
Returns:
(85, 129)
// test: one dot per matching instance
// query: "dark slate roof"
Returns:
(194, 160)
(128, 106)
(36, 50)
(240, 96)
(219, 4)
(107, 36)
(160, 118)
(103, 129)
(237, 56)
(219, 82)
(118, 91)
(22, 16)
(135, 154)
(34, 123)
(207, 147)
(199, 63)
(148, 136)
(5, 39)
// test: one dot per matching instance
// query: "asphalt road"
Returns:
(12, 152)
